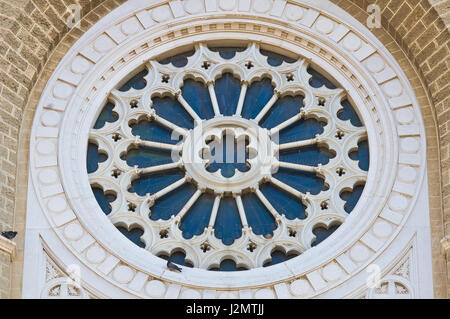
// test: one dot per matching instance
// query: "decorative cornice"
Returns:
(8, 247)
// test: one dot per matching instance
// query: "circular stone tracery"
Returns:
(213, 141)
(300, 137)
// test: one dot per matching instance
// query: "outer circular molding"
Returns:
(137, 32)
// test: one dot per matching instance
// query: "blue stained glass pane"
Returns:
(171, 110)
(178, 60)
(259, 218)
(362, 155)
(318, 80)
(228, 89)
(178, 258)
(103, 199)
(228, 224)
(227, 52)
(197, 219)
(348, 113)
(285, 204)
(301, 130)
(134, 235)
(275, 59)
(147, 156)
(106, 115)
(153, 131)
(283, 109)
(258, 94)
(197, 95)
(154, 182)
(311, 155)
(227, 168)
(301, 181)
(352, 198)
(137, 82)
(171, 203)
(322, 233)
(94, 158)
(228, 265)
(279, 257)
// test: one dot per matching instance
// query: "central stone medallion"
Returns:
(228, 154)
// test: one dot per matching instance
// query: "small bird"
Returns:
(172, 266)
(9, 234)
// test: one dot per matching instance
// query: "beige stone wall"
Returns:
(5, 275)
(34, 38)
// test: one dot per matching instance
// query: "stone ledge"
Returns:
(8, 247)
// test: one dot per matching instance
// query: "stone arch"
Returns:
(25, 100)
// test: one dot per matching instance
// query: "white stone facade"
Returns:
(387, 231)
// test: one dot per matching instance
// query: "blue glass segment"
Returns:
(104, 199)
(228, 226)
(227, 166)
(228, 89)
(145, 156)
(154, 182)
(94, 157)
(197, 96)
(275, 59)
(153, 131)
(301, 181)
(278, 257)
(318, 80)
(106, 115)
(171, 203)
(351, 197)
(303, 129)
(311, 155)
(283, 109)
(323, 233)
(178, 60)
(178, 258)
(227, 52)
(228, 265)
(172, 110)
(362, 155)
(134, 235)
(197, 219)
(348, 113)
(258, 94)
(137, 82)
(259, 218)
(285, 204)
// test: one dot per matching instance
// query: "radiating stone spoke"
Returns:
(269, 206)
(170, 125)
(286, 187)
(159, 145)
(242, 98)
(298, 167)
(266, 108)
(212, 94)
(168, 189)
(286, 146)
(241, 210)
(189, 109)
(215, 209)
(189, 204)
(287, 123)
(159, 168)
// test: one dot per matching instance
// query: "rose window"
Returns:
(228, 158)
